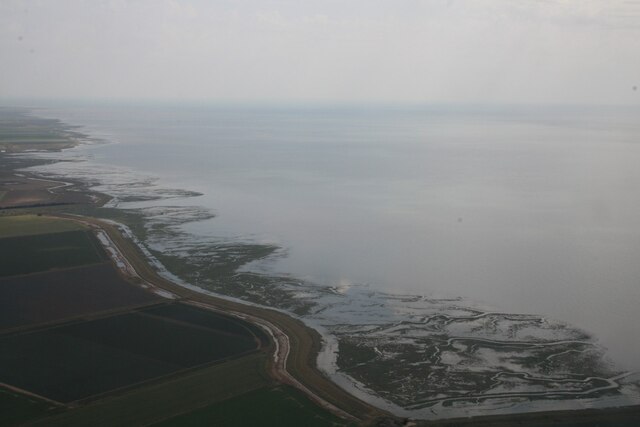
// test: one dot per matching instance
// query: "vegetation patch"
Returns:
(35, 253)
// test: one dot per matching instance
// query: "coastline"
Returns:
(132, 263)
(303, 360)
(296, 345)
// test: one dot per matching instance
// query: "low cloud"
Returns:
(363, 51)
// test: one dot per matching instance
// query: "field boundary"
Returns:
(154, 402)
(30, 394)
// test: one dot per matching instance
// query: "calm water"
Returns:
(525, 210)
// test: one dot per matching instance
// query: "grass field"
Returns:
(62, 294)
(15, 409)
(26, 225)
(275, 407)
(41, 252)
(157, 402)
(79, 360)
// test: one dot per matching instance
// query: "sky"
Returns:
(378, 51)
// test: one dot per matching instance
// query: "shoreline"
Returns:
(227, 303)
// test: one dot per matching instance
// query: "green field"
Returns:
(277, 407)
(16, 409)
(24, 225)
(42, 252)
(157, 402)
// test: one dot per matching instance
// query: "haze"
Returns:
(489, 51)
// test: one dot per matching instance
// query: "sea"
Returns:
(495, 232)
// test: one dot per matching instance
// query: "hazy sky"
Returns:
(568, 51)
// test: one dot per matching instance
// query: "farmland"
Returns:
(41, 252)
(26, 225)
(64, 294)
(195, 316)
(269, 407)
(79, 360)
(22, 192)
(16, 408)
(161, 400)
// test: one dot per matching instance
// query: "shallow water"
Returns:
(527, 211)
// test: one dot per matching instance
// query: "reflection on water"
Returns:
(524, 211)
